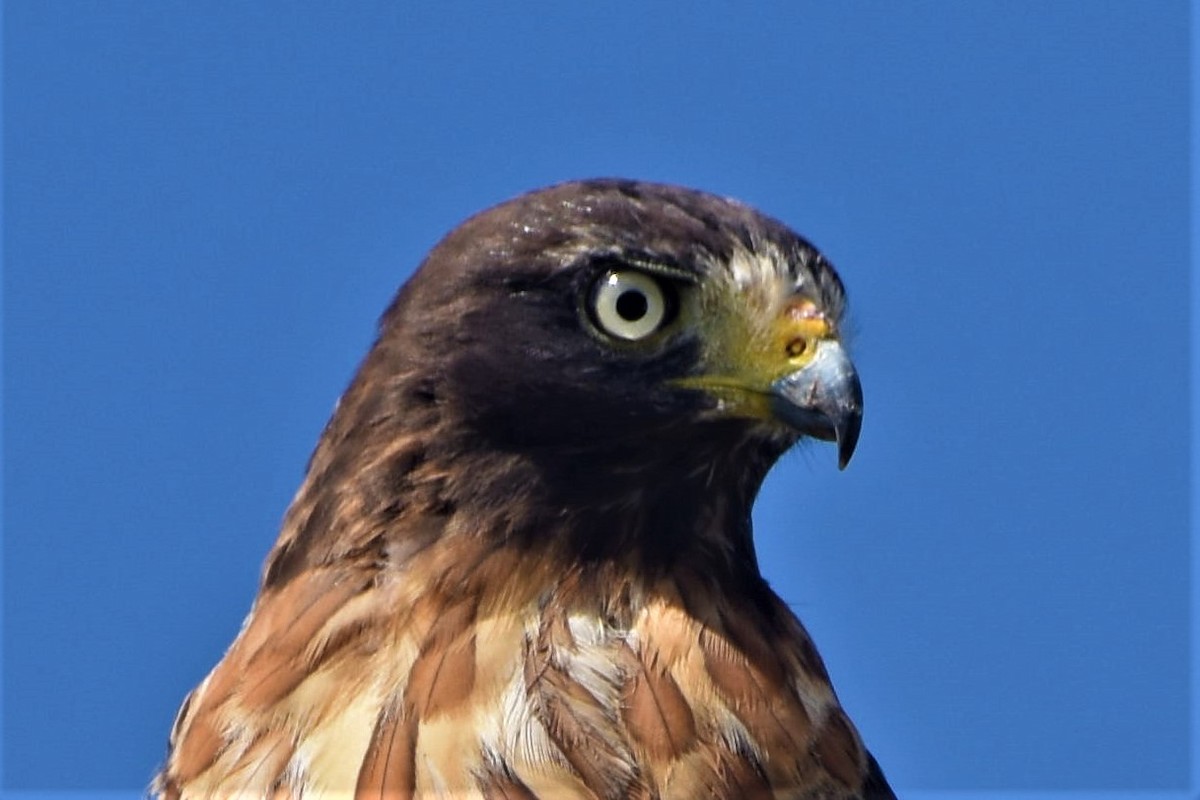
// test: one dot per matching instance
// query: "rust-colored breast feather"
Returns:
(579, 687)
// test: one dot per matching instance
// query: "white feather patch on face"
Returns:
(761, 280)
(765, 266)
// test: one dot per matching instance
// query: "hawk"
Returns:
(520, 564)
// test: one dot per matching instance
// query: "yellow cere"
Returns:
(755, 330)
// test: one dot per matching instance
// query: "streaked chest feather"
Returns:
(481, 697)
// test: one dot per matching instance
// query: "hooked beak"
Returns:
(823, 399)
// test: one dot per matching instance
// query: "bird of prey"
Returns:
(520, 564)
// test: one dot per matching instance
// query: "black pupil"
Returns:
(632, 306)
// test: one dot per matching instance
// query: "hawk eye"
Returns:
(629, 305)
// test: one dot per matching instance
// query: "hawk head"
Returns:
(520, 563)
(603, 349)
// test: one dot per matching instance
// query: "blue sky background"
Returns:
(206, 206)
